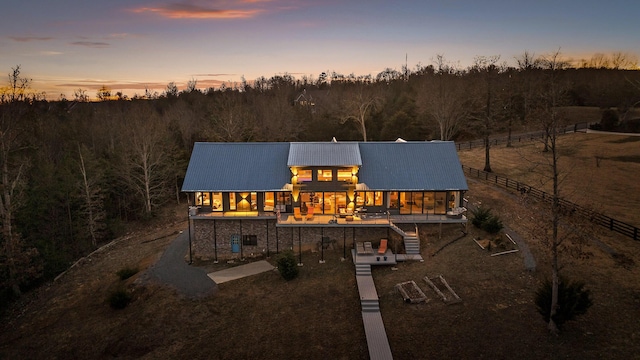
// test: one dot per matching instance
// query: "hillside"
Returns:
(317, 316)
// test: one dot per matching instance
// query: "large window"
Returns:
(269, 201)
(344, 174)
(393, 200)
(232, 201)
(304, 176)
(203, 199)
(216, 201)
(368, 198)
(325, 175)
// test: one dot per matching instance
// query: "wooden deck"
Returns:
(370, 220)
(374, 258)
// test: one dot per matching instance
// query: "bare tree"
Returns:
(357, 106)
(552, 123)
(146, 158)
(91, 194)
(446, 99)
(13, 165)
(487, 69)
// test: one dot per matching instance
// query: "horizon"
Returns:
(128, 46)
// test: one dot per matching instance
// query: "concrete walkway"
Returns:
(241, 271)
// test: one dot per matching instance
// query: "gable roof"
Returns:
(394, 166)
(324, 154)
(237, 167)
(411, 165)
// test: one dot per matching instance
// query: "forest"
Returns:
(75, 172)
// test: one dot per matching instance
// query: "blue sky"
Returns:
(129, 45)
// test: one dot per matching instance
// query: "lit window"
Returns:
(344, 174)
(325, 175)
(304, 176)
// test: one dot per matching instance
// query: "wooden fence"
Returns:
(535, 135)
(566, 207)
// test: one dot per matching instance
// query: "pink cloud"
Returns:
(30, 38)
(185, 10)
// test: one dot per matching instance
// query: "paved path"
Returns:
(241, 271)
(172, 270)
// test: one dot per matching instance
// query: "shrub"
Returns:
(609, 120)
(480, 215)
(287, 265)
(126, 272)
(492, 225)
(119, 299)
(573, 300)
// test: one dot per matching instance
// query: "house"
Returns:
(248, 199)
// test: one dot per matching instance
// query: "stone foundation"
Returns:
(272, 239)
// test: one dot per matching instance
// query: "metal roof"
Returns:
(237, 167)
(324, 154)
(413, 165)
(401, 166)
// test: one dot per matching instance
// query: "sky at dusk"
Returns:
(128, 45)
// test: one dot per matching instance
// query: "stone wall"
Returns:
(272, 239)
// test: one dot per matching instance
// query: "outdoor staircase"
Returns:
(368, 294)
(370, 305)
(411, 245)
(411, 240)
(362, 269)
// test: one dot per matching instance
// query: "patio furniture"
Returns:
(368, 249)
(296, 214)
(383, 246)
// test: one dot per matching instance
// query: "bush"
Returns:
(573, 300)
(480, 215)
(492, 225)
(287, 265)
(609, 120)
(126, 273)
(119, 299)
(483, 219)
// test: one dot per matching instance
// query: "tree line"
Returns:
(74, 173)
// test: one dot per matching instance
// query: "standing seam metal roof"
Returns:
(407, 166)
(399, 166)
(324, 154)
(237, 167)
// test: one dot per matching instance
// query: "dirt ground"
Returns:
(317, 315)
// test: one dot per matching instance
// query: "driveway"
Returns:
(172, 270)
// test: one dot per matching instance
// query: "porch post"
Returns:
(189, 222)
(322, 244)
(277, 240)
(266, 222)
(215, 242)
(299, 247)
(344, 244)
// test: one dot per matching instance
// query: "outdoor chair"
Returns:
(296, 213)
(383, 246)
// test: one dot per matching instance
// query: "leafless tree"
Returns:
(357, 106)
(91, 193)
(13, 165)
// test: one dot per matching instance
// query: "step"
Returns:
(363, 269)
(370, 305)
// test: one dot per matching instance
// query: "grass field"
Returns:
(598, 171)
